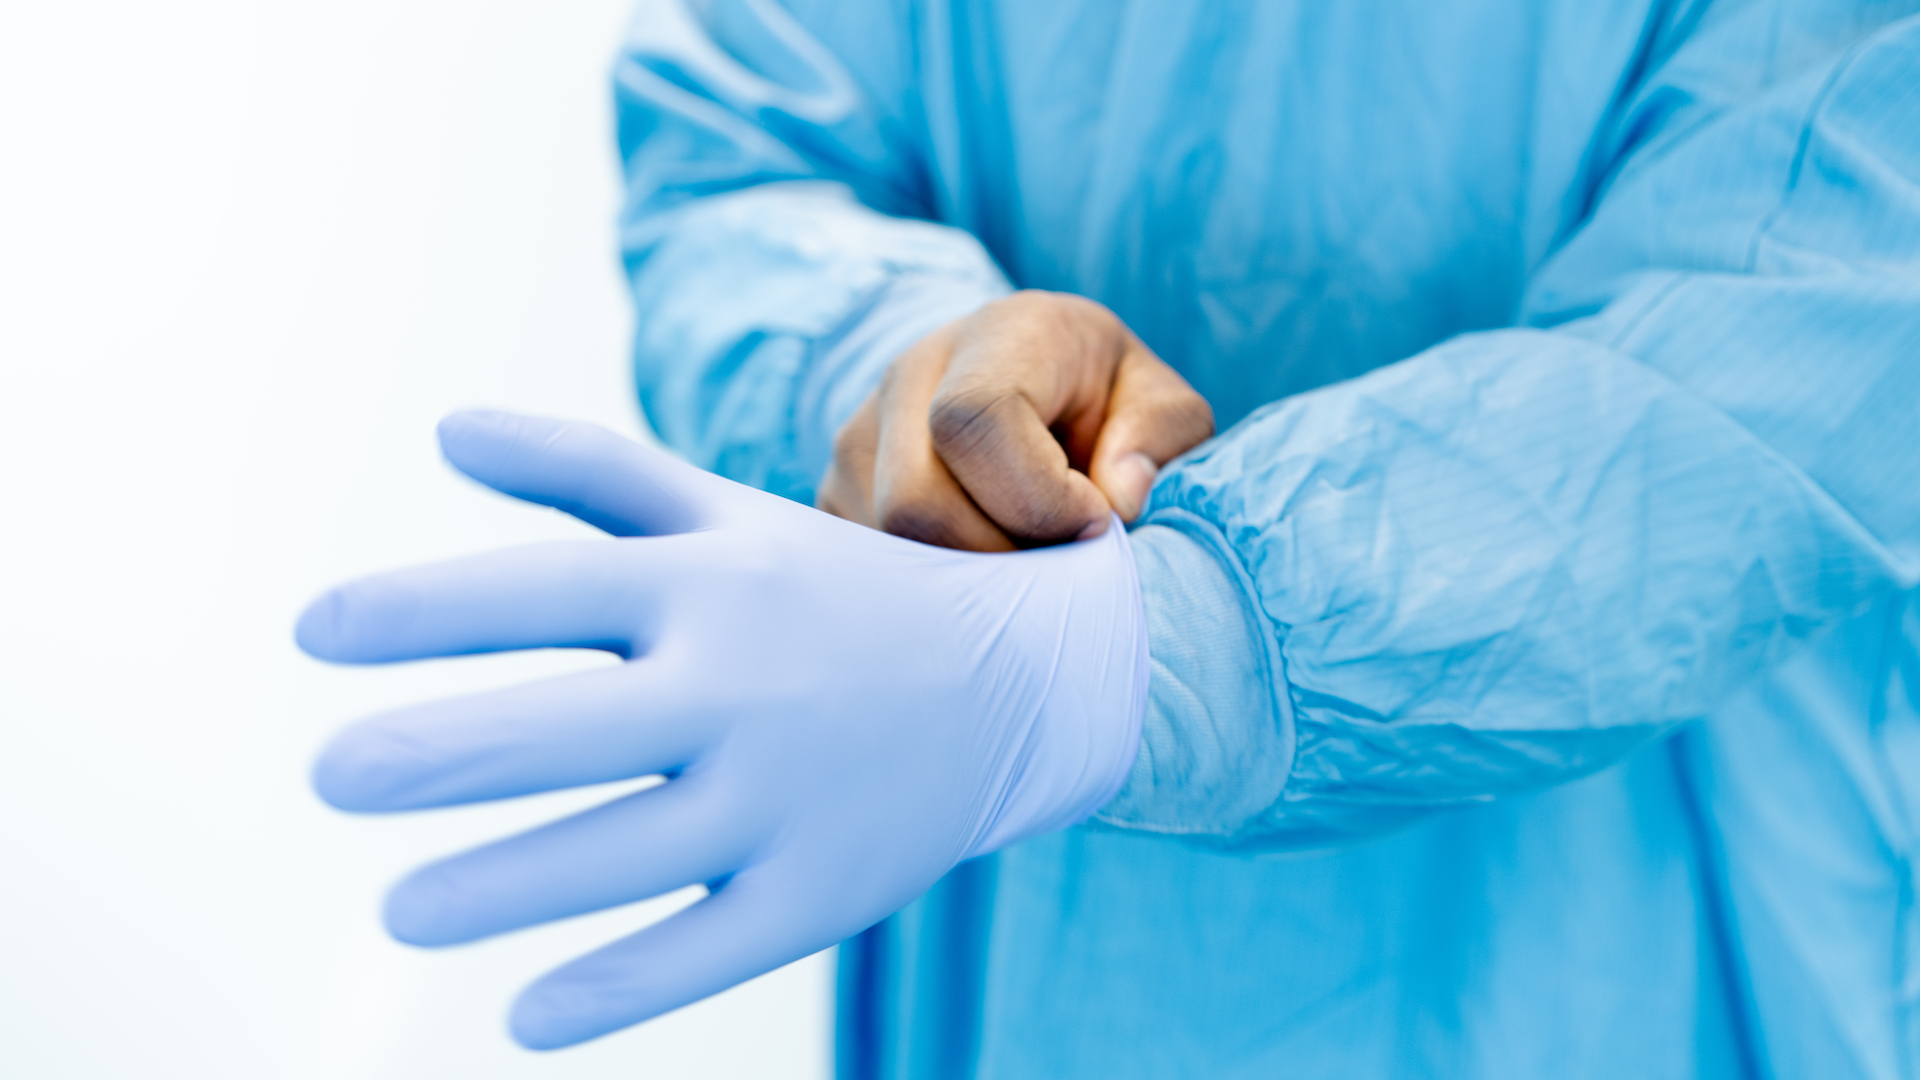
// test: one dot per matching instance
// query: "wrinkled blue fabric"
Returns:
(1536, 662)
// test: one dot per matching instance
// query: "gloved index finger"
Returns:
(587, 594)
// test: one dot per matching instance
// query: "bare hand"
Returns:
(1021, 424)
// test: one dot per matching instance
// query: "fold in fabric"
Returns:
(1533, 657)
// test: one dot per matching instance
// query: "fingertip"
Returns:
(606, 480)
(348, 624)
(369, 769)
(1127, 482)
(420, 910)
(334, 777)
(1094, 509)
(478, 441)
(533, 1031)
(318, 630)
(470, 422)
(551, 1016)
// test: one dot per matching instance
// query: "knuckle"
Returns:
(1052, 316)
(1028, 303)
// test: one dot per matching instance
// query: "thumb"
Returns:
(605, 480)
(1153, 416)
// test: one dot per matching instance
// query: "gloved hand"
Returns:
(1027, 422)
(843, 715)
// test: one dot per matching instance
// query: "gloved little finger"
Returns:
(633, 848)
(617, 723)
(751, 926)
(605, 480)
(589, 594)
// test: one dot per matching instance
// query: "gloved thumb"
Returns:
(609, 482)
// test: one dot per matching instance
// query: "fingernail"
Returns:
(1132, 479)
(1092, 530)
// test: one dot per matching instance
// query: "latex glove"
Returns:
(844, 716)
(1027, 422)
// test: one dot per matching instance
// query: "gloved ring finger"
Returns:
(635, 847)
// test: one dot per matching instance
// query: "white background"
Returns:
(249, 253)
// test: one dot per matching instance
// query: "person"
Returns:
(1525, 683)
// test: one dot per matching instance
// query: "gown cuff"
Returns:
(1217, 742)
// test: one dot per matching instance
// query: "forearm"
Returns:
(1513, 559)
(1497, 567)
(770, 229)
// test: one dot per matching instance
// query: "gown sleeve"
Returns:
(1512, 559)
(773, 230)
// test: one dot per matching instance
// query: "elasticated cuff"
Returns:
(1217, 743)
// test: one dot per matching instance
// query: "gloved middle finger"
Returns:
(613, 724)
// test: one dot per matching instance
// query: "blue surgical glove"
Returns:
(843, 715)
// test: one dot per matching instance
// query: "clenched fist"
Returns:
(1025, 423)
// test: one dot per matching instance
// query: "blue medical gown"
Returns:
(1536, 662)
